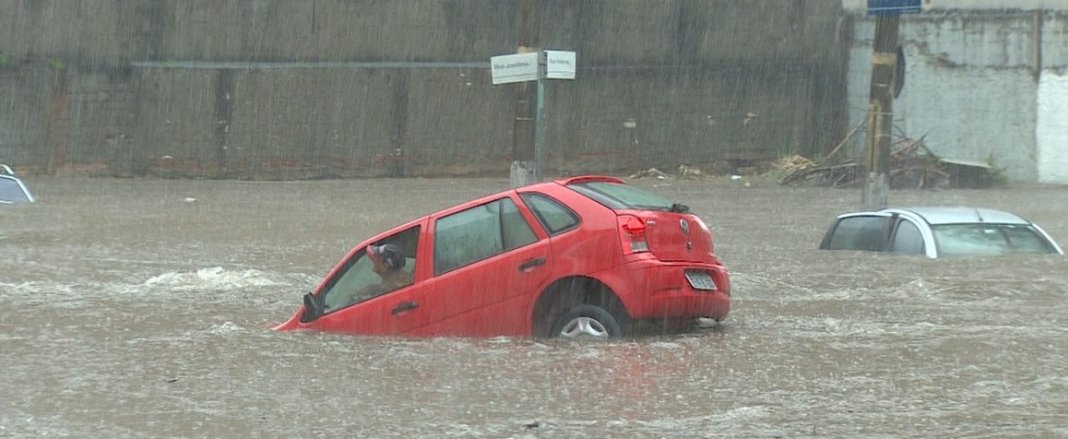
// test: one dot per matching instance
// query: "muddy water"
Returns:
(139, 308)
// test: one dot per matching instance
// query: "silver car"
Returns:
(938, 232)
(13, 190)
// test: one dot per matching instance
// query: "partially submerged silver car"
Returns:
(13, 190)
(938, 232)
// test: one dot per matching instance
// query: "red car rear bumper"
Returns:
(654, 289)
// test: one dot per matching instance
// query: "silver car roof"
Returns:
(957, 215)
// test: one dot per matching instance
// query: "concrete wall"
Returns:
(979, 84)
(1053, 128)
(335, 88)
(971, 5)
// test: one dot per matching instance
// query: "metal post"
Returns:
(539, 124)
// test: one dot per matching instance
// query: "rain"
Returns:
(196, 167)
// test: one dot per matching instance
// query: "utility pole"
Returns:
(881, 112)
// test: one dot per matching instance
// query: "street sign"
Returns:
(518, 67)
(559, 64)
(894, 7)
(531, 66)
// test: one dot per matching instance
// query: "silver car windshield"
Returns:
(988, 239)
(12, 190)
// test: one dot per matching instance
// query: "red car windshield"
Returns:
(620, 196)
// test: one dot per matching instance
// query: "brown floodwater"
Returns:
(141, 308)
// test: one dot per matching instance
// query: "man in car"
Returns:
(388, 263)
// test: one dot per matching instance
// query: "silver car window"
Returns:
(13, 191)
(988, 239)
(859, 233)
(907, 240)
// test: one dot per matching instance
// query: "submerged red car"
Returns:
(582, 256)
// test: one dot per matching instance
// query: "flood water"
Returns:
(141, 308)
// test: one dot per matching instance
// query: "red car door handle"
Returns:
(531, 263)
(404, 306)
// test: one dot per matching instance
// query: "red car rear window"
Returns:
(620, 196)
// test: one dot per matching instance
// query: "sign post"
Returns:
(884, 79)
(533, 66)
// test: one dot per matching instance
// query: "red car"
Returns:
(584, 256)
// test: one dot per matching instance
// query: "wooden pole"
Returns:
(56, 136)
(880, 112)
(524, 127)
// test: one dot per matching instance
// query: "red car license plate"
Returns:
(700, 280)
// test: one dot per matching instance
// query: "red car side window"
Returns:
(357, 281)
(553, 215)
(478, 233)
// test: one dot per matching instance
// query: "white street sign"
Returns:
(559, 64)
(519, 67)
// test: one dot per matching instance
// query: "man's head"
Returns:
(386, 257)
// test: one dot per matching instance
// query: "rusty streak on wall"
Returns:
(56, 133)
(224, 109)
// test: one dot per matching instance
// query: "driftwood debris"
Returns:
(912, 165)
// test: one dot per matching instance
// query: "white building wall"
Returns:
(1053, 128)
(974, 85)
(935, 5)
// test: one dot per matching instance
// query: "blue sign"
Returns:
(894, 7)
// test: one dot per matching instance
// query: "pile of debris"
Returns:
(683, 171)
(912, 166)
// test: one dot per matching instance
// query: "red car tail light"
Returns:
(632, 234)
